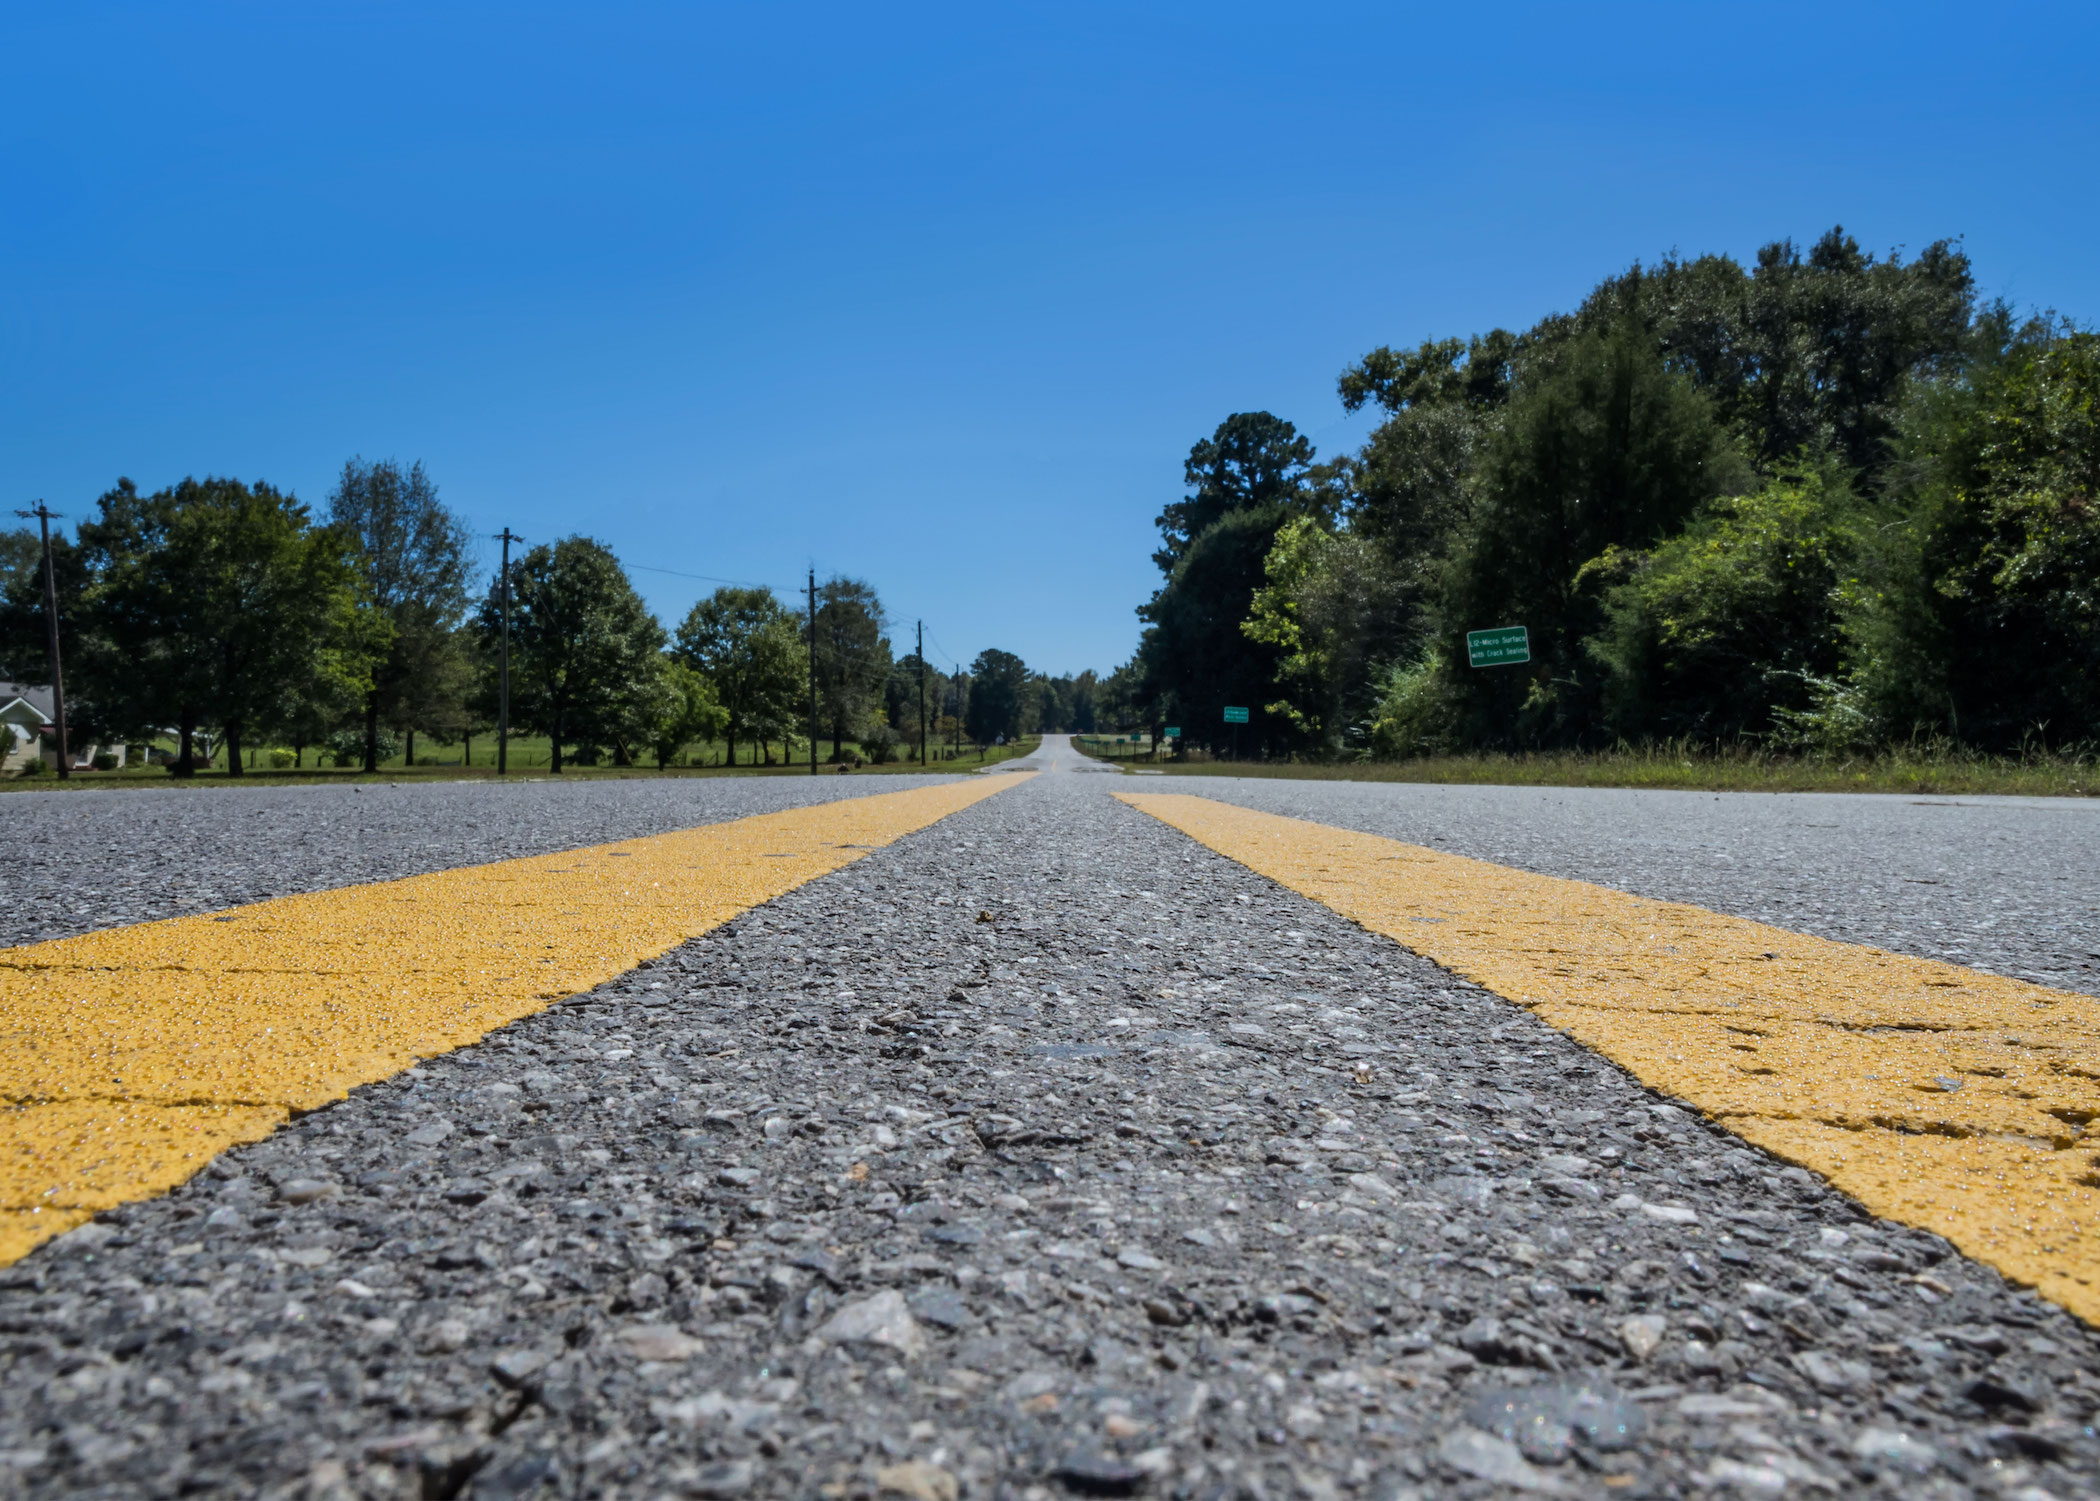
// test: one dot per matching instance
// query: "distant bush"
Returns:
(282, 759)
(1411, 716)
(104, 761)
(882, 744)
(347, 747)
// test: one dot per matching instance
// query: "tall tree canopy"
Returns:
(852, 657)
(25, 655)
(1986, 624)
(220, 603)
(998, 695)
(752, 649)
(687, 710)
(1723, 630)
(1802, 352)
(1198, 647)
(1252, 460)
(1602, 446)
(1332, 608)
(412, 553)
(901, 697)
(1802, 499)
(584, 648)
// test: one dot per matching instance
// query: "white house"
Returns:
(25, 710)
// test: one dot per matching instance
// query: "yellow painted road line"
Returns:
(129, 1058)
(1935, 1095)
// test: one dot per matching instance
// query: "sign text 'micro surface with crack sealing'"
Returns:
(130, 1057)
(1940, 1096)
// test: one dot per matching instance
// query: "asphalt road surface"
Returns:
(1044, 1152)
(86, 859)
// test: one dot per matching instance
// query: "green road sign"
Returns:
(1235, 716)
(1171, 732)
(1498, 647)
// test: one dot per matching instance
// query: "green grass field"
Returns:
(1929, 771)
(529, 757)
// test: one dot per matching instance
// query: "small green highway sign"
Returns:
(1171, 732)
(1235, 716)
(1498, 647)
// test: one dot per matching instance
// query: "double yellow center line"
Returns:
(1938, 1096)
(129, 1058)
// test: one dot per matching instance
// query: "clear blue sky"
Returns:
(938, 296)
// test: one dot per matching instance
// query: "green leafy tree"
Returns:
(684, 711)
(1252, 461)
(1723, 631)
(413, 555)
(1134, 695)
(1065, 704)
(225, 605)
(752, 650)
(441, 696)
(1332, 608)
(24, 648)
(1086, 692)
(1802, 352)
(999, 694)
(584, 647)
(1249, 477)
(1053, 703)
(1986, 622)
(1603, 445)
(900, 699)
(1473, 373)
(1198, 659)
(780, 709)
(1414, 484)
(852, 658)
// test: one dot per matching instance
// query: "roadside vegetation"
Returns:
(1780, 524)
(220, 625)
(1941, 770)
(530, 758)
(1827, 520)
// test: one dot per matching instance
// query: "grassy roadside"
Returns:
(1938, 772)
(521, 770)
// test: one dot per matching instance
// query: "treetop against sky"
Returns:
(938, 300)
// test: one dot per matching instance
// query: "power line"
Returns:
(710, 578)
(705, 578)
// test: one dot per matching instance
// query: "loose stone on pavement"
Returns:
(1042, 1153)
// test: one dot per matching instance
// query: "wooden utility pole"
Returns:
(503, 691)
(44, 515)
(813, 672)
(922, 694)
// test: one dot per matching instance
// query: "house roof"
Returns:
(37, 697)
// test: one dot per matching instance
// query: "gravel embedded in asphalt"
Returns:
(2006, 884)
(1042, 1153)
(84, 859)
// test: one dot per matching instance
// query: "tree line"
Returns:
(1828, 501)
(221, 608)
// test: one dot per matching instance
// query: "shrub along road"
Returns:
(1042, 1151)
